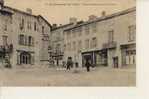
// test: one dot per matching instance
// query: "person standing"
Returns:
(69, 63)
(88, 64)
(64, 64)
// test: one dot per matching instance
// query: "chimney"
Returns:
(103, 13)
(54, 26)
(1, 4)
(80, 22)
(92, 17)
(73, 20)
(29, 11)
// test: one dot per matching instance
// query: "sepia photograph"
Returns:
(71, 43)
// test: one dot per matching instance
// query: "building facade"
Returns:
(105, 41)
(5, 36)
(28, 41)
(57, 41)
(28, 36)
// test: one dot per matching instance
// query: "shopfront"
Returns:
(128, 54)
(97, 58)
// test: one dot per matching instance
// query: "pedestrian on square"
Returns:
(64, 64)
(88, 64)
(69, 63)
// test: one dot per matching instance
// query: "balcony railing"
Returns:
(58, 53)
(6, 48)
(110, 45)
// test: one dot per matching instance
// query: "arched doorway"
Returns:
(25, 58)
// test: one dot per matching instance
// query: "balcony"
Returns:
(110, 45)
(58, 53)
(6, 48)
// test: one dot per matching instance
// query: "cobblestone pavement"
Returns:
(60, 77)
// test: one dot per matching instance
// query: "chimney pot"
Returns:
(1, 4)
(103, 13)
(73, 20)
(29, 11)
(54, 26)
(92, 17)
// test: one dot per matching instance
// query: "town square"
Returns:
(97, 51)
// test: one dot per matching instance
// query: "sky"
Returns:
(59, 11)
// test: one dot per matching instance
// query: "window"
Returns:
(131, 33)
(69, 46)
(43, 29)
(35, 26)
(87, 29)
(74, 45)
(25, 40)
(94, 27)
(111, 36)
(65, 47)
(74, 33)
(68, 34)
(80, 45)
(5, 27)
(58, 46)
(29, 40)
(29, 26)
(94, 42)
(79, 31)
(87, 43)
(21, 39)
(22, 24)
(32, 43)
(5, 38)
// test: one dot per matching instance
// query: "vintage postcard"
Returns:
(68, 43)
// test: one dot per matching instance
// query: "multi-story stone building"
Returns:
(5, 35)
(28, 36)
(57, 41)
(108, 40)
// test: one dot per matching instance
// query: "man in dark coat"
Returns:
(88, 64)
(69, 63)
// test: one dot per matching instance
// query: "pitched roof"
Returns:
(23, 12)
(19, 11)
(40, 16)
(6, 12)
(104, 18)
(62, 26)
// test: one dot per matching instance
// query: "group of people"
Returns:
(70, 64)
